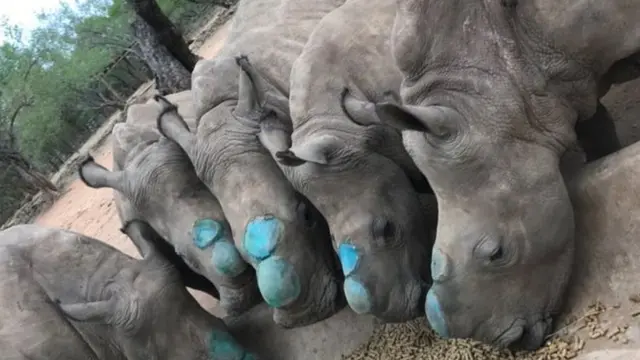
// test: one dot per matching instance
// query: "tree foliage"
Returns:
(61, 81)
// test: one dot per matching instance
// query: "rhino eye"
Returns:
(383, 228)
(497, 255)
(490, 250)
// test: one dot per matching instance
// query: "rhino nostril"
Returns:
(226, 259)
(357, 296)
(278, 282)
(206, 232)
(435, 316)
(261, 236)
(440, 265)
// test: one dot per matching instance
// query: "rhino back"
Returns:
(31, 325)
(272, 33)
(81, 265)
(346, 49)
(38, 266)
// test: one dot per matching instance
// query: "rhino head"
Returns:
(382, 228)
(505, 237)
(151, 314)
(159, 182)
(276, 229)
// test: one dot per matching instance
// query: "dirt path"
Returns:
(92, 211)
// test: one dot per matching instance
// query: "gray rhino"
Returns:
(359, 177)
(65, 296)
(494, 92)
(154, 181)
(276, 229)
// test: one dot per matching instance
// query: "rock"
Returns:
(606, 199)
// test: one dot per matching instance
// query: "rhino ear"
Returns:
(316, 150)
(97, 176)
(256, 95)
(95, 311)
(362, 112)
(155, 249)
(416, 118)
(142, 236)
(172, 126)
(274, 135)
(251, 95)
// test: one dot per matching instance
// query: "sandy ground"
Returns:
(92, 211)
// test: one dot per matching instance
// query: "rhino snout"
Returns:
(511, 331)
(435, 315)
(398, 299)
(278, 280)
(209, 233)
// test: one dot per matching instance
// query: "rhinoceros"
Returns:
(66, 296)
(277, 230)
(493, 93)
(154, 181)
(359, 177)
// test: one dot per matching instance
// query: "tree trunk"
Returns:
(32, 177)
(171, 76)
(112, 90)
(166, 32)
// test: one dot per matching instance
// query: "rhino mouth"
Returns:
(317, 304)
(522, 336)
(415, 295)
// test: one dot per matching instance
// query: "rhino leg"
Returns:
(597, 135)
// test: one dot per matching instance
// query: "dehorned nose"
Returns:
(278, 282)
(349, 258)
(226, 259)
(357, 296)
(440, 265)
(435, 316)
(206, 232)
(261, 236)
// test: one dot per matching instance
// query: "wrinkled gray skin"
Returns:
(355, 171)
(228, 152)
(494, 93)
(65, 296)
(155, 182)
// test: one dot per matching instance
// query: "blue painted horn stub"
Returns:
(278, 282)
(261, 236)
(349, 258)
(222, 346)
(357, 296)
(206, 231)
(226, 259)
(439, 265)
(435, 316)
